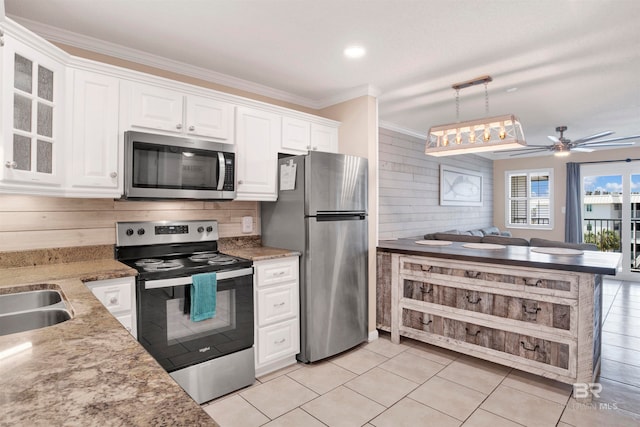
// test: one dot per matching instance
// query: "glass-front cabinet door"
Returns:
(32, 93)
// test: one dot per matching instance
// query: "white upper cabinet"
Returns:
(324, 138)
(296, 135)
(33, 84)
(258, 135)
(157, 108)
(209, 118)
(93, 123)
(300, 136)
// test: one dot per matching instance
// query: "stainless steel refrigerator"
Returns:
(322, 213)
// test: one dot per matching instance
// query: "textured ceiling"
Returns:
(574, 63)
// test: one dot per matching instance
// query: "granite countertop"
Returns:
(259, 253)
(593, 262)
(88, 370)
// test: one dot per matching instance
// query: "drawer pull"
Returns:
(113, 300)
(280, 304)
(529, 282)
(427, 323)
(473, 302)
(280, 341)
(426, 268)
(473, 334)
(426, 290)
(531, 310)
(472, 274)
(529, 349)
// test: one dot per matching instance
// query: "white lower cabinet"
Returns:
(277, 319)
(119, 297)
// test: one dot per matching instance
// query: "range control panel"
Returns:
(159, 232)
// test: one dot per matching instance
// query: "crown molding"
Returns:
(356, 92)
(59, 35)
(402, 130)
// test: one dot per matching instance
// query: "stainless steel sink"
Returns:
(30, 300)
(29, 310)
(30, 320)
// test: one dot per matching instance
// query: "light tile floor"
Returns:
(414, 384)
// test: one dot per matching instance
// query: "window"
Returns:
(529, 199)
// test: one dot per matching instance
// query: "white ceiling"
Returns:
(574, 63)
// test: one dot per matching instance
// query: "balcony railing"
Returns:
(607, 234)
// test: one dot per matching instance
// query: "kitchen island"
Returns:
(535, 311)
(88, 370)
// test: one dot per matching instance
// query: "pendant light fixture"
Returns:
(475, 136)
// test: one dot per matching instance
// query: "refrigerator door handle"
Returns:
(341, 217)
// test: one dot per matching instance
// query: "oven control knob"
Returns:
(209, 229)
(200, 229)
(140, 231)
(129, 231)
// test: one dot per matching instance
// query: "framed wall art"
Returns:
(460, 187)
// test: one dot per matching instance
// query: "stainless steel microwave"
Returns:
(167, 167)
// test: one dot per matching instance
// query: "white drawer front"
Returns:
(114, 296)
(277, 303)
(278, 341)
(279, 271)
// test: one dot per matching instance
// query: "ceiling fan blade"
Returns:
(594, 136)
(586, 150)
(526, 152)
(554, 139)
(529, 148)
(606, 144)
(621, 138)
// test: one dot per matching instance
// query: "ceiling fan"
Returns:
(562, 146)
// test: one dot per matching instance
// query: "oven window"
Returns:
(166, 331)
(180, 326)
(172, 167)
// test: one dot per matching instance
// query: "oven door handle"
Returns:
(181, 281)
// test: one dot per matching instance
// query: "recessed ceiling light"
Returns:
(511, 89)
(354, 51)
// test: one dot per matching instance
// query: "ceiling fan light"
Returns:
(561, 153)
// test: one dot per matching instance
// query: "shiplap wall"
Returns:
(409, 189)
(31, 222)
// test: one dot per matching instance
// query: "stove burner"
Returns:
(148, 261)
(163, 266)
(221, 260)
(203, 256)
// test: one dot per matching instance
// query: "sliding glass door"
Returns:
(611, 211)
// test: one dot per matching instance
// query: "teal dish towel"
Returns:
(203, 296)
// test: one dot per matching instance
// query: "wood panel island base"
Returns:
(535, 312)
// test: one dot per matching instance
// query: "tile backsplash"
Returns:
(35, 222)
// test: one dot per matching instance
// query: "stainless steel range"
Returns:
(208, 358)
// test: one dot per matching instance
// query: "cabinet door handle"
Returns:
(280, 304)
(532, 310)
(426, 290)
(472, 274)
(179, 126)
(280, 341)
(529, 349)
(113, 300)
(10, 164)
(473, 334)
(427, 323)
(113, 174)
(473, 302)
(240, 182)
(530, 282)
(192, 128)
